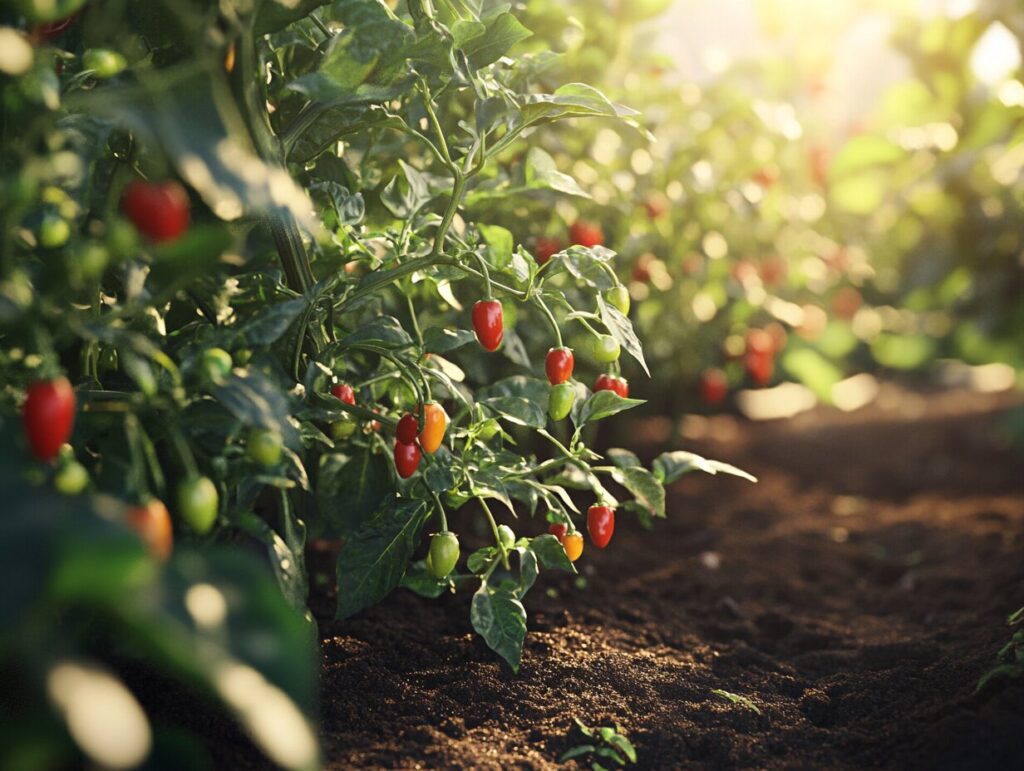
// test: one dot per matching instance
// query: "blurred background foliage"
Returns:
(846, 176)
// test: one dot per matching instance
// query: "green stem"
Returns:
(379, 379)
(184, 452)
(586, 324)
(440, 511)
(449, 214)
(435, 124)
(494, 529)
(551, 318)
(415, 321)
(541, 468)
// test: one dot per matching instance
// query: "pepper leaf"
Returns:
(374, 559)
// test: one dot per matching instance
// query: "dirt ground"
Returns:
(855, 595)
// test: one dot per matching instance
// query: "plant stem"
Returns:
(494, 529)
(551, 318)
(449, 213)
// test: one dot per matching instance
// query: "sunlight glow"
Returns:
(995, 55)
(102, 716)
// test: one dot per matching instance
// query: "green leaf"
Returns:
(736, 699)
(287, 563)
(372, 562)
(514, 349)
(405, 201)
(487, 484)
(577, 751)
(503, 32)
(527, 570)
(550, 553)
(669, 466)
(523, 491)
(499, 244)
(586, 730)
(601, 405)
(541, 172)
(478, 561)
(349, 489)
(573, 100)
(421, 581)
(440, 474)
(619, 742)
(644, 486)
(530, 388)
(622, 330)
(583, 263)
(258, 402)
(340, 207)
(370, 61)
(383, 331)
(271, 321)
(517, 410)
(442, 339)
(500, 618)
(274, 15)
(622, 458)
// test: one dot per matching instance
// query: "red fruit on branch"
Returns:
(713, 386)
(48, 416)
(600, 525)
(344, 392)
(407, 459)
(546, 248)
(408, 429)
(558, 365)
(159, 211)
(558, 530)
(760, 367)
(488, 323)
(612, 383)
(585, 233)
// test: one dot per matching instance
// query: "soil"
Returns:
(854, 596)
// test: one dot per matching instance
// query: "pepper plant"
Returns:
(242, 231)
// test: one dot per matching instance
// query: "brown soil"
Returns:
(854, 596)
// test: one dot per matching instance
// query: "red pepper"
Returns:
(546, 248)
(714, 386)
(48, 416)
(407, 459)
(488, 323)
(611, 383)
(159, 211)
(558, 365)
(344, 392)
(586, 233)
(600, 525)
(408, 429)
(558, 530)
